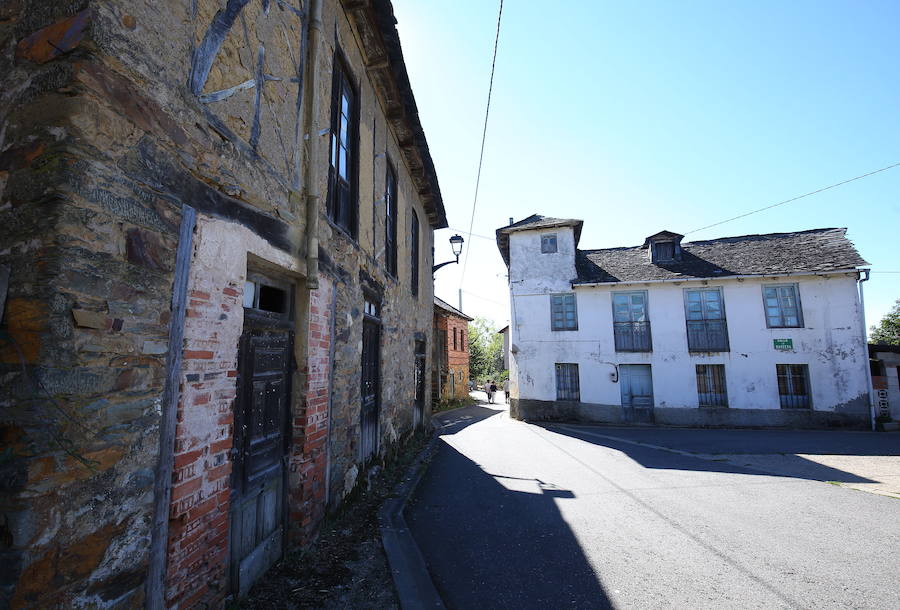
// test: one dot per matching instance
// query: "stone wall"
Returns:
(133, 111)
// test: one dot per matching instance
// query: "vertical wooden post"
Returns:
(162, 489)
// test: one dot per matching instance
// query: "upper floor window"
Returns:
(563, 314)
(341, 204)
(390, 220)
(414, 254)
(707, 329)
(782, 306)
(548, 243)
(454, 339)
(631, 324)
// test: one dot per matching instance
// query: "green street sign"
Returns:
(783, 344)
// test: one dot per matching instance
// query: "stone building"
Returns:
(450, 365)
(753, 330)
(217, 218)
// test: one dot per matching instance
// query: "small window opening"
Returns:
(272, 299)
(548, 243)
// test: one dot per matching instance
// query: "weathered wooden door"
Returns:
(260, 453)
(636, 384)
(419, 411)
(371, 382)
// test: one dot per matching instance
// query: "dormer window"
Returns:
(664, 251)
(664, 247)
(548, 243)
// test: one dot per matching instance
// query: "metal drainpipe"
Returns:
(313, 146)
(862, 309)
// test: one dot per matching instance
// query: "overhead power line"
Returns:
(487, 112)
(775, 205)
(473, 234)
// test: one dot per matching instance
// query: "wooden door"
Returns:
(636, 383)
(419, 409)
(261, 438)
(371, 386)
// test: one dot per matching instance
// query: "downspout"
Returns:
(862, 315)
(312, 145)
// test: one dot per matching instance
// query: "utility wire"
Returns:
(473, 234)
(775, 205)
(487, 111)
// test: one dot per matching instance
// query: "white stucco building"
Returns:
(757, 330)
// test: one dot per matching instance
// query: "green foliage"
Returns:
(446, 404)
(485, 351)
(886, 332)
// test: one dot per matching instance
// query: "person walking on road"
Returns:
(506, 389)
(487, 390)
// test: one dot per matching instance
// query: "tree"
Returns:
(485, 350)
(887, 332)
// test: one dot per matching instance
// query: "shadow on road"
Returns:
(489, 546)
(669, 449)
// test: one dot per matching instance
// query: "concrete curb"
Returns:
(413, 583)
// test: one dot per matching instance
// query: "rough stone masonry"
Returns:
(140, 138)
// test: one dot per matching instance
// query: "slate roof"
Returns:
(773, 253)
(448, 308)
(535, 221)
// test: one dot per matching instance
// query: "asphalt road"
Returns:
(512, 515)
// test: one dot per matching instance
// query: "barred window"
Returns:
(563, 314)
(567, 382)
(711, 385)
(793, 386)
(782, 305)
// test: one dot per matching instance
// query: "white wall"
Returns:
(830, 342)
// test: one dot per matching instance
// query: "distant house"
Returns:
(756, 330)
(505, 332)
(450, 369)
(885, 365)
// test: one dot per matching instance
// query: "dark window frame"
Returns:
(390, 219)
(342, 202)
(799, 305)
(659, 256)
(568, 383)
(546, 247)
(414, 253)
(564, 323)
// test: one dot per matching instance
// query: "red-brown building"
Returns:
(450, 371)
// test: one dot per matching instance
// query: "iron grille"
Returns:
(567, 382)
(793, 386)
(711, 385)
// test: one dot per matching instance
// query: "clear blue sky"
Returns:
(643, 116)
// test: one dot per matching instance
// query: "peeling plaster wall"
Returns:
(829, 343)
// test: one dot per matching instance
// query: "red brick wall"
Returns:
(455, 360)
(309, 454)
(201, 482)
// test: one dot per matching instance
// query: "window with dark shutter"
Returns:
(414, 254)
(390, 221)
(341, 204)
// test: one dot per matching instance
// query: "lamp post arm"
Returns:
(436, 267)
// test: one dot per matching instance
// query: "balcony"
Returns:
(707, 336)
(632, 336)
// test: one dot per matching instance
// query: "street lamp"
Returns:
(456, 243)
